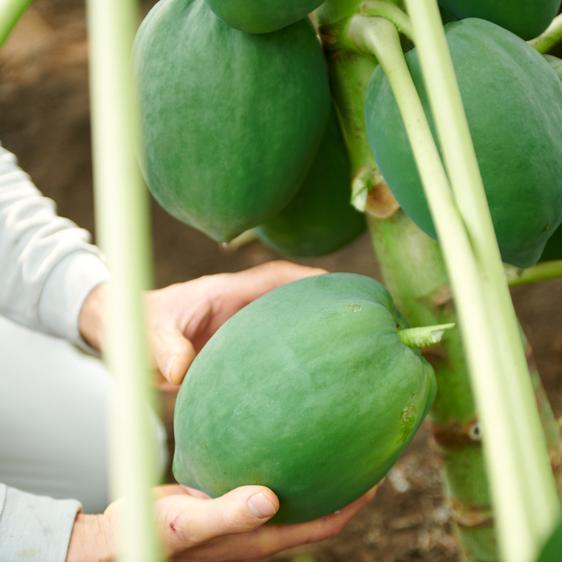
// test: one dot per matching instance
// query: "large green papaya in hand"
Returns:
(308, 390)
(513, 102)
(320, 218)
(262, 16)
(231, 121)
(526, 18)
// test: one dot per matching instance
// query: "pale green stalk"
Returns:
(497, 417)
(547, 40)
(123, 226)
(390, 12)
(468, 188)
(541, 272)
(10, 13)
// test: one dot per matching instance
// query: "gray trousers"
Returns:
(53, 418)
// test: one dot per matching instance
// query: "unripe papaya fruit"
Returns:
(320, 218)
(556, 64)
(513, 102)
(308, 390)
(524, 18)
(262, 16)
(231, 121)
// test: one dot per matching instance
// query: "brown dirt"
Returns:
(44, 120)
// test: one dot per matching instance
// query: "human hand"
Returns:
(195, 528)
(182, 317)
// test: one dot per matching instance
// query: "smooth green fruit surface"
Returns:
(320, 218)
(523, 17)
(513, 101)
(556, 64)
(308, 390)
(262, 16)
(231, 121)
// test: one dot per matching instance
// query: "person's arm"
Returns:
(47, 265)
(35, 528)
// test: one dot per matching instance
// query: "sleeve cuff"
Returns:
(35, 528)
(65, 291)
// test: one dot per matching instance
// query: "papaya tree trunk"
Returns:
(414, 272)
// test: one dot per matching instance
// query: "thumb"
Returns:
(173, 354)
(190, 521)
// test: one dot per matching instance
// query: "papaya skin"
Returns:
(231, 121)
(513, 101)
(320, 218)
(522, 17)
(262, 16)
(308, 391)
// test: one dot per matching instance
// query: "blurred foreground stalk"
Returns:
(123, 226)
(10, 13)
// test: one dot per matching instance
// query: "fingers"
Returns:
(173, 353)
(270, 540)
(188, 521)
(254, 282)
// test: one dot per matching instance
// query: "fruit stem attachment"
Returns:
(10, 13)
(547, 40)
(516, 455)
(540, 272)
(425, 336)
(391, 12)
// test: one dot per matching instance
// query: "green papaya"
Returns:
(320, 218)
(308, 390)
(513, 102)
(231, 121)
(262, 16)
(556, 64)
(524, 18)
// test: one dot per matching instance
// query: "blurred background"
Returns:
(44, 120)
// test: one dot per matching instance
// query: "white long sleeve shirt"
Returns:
(47, 269)
(47, 266)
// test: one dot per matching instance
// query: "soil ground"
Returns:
(44, 120)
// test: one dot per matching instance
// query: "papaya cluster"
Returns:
(240, 133)
(513, 102)
(238, 126)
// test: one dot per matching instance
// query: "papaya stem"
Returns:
(466, 180)
(391, 12)
(550, 38)
(425, 336)
(540, 272)
(10, 13)
(514, 501)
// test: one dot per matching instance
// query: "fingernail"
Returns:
(261, 506)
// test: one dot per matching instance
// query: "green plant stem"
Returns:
(10, 13)
(123, 226)
(466, 181)
(498, 419)
(424, 299)
(390, 12)
(550, 38)
(541, 272)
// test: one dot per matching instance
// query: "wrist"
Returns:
(92, 314)
(91, 540)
